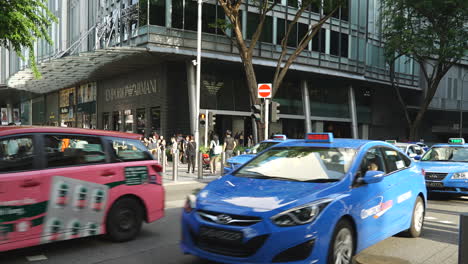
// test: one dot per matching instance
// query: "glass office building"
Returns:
(139, 56)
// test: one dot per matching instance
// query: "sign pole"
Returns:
(267, 117)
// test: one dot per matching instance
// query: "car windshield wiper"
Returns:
(257, 175)
(322, 180)
(250, 173)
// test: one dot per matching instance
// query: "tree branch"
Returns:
(280, 72)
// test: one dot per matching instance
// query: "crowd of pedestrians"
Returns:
(184, 148)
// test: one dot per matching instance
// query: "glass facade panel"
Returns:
(128, 119)
(209, 18)
(158, 12)
(141, 121)
(155, 120)
(177, 15)
(281, 30)
(106, 121)
(292, 40)
(190, 15)
(116, 120)
(302, 31)
(318, 41)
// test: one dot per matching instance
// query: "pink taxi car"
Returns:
(65, 183)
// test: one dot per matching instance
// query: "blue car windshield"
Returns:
(261, 147)
(452, 154)
(306, 164)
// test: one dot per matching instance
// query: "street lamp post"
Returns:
(197, 92)
(461, 106)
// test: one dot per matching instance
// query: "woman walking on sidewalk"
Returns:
(215, 151)
(191, 153)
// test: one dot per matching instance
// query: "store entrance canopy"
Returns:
(70, 70)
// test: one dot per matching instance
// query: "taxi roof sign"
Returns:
(459, 141)
(280, 137)
(391, 141)
(319, 137)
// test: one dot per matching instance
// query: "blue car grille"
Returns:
(235, 220)
(232, 249)
(435, 176)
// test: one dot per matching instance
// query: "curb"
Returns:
(201, 181)
(373, 259)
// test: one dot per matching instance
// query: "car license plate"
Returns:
(435, 184)
(220, 235)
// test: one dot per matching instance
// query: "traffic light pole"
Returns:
(267, 117)
(207, 126)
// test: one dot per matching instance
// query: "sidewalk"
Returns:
(186, 178)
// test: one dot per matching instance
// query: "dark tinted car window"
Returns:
(69, 150)
(129, 150)
(393, 160)
(16, 154)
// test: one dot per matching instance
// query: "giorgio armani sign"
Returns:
(145, 87)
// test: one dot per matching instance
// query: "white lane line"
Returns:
(446, 222)
(430, 218)
(36, 258)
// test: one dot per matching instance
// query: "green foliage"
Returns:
(204, 149)
(424, 29)
(240, 148)
(22, 22)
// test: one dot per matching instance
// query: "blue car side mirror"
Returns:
(417, 157)
(373, 176)
(227, 170)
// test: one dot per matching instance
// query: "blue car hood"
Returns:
(260, 195)
(241, 159)
(440, 166)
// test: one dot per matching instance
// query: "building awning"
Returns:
(70, 70)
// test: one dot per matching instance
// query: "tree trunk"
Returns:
(414, 131)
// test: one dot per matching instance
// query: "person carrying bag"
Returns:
(215, 151)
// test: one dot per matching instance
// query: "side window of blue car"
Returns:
(373, 160)
(394, 160)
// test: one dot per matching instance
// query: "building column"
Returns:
(306, 106)
(364, 131)
(10, 113)
(352, 112)
(318, 127)
(168, 13)
(192, 95)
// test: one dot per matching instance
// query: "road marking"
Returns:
(430, 218)
(36, 258)
(446, 222)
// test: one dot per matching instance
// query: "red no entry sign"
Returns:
(264, 90)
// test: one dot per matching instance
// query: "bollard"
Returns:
(200, 165)
(158, 155)
(163, 162)
(175, 165)
(238, 152)
(463, 239)
(222, 163)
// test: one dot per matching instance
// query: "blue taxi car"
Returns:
(446, 167)
(236, 161)
(318, 200)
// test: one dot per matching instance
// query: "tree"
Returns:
(22, 22)
(431, 32)
(288, 55)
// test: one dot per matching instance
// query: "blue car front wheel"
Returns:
(342, 245)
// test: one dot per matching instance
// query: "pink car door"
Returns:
(22, 200)
(77, 173)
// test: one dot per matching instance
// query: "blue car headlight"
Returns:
(190, 203)
(300, 215)
(460, 176)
